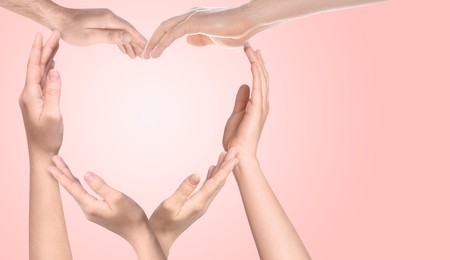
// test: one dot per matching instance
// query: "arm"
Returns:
(183, 208)
(274, 234)
(234, 26)
(81, 26)
(39, 103)
(115, 211)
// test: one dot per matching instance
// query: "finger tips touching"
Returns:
(59, 162)
(54, 171)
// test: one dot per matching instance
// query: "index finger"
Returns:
(33, 67)
(73, 186)
(212, 186)
(256, 95)
(49, 50)
(162, 30)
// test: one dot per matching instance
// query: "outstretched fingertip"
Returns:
(56, 34)
(194, 179)
(89, 176)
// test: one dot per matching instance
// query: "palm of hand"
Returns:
(39, 100)
(119, 212)
(243, 128)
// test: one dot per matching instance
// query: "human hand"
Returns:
(182, 209)
(230, 27)
(244, 127)
(93, 26)
(115, 211)
(40, 97)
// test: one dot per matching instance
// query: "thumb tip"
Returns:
(53, 75)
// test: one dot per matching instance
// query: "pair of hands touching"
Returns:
(204, 26)
(229, 27)
(115, 211)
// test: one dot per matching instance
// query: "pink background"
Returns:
(356, 146)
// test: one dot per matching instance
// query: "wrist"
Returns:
(36, 152)
(40, 158)
(246, 160)
(267, 13)
(145, 243)
(164, 240)
(53, 16)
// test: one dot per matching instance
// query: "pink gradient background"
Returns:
(356, 146)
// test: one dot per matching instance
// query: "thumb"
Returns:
(52, 91)
(242, 98)
(99, 186)
(185, 189)
(109, 36)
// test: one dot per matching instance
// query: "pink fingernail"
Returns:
(53, 75)
(89, 176)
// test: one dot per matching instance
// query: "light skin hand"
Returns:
(183, 208)
(233, 27)
(82, 27)
(39, 100)
(93, 26)
(114, 211)
(244, 127)
(275, 236)
(39, 103)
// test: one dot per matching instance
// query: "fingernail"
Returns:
(194, 179)
(125, 37)
(53, 75)
(89, 176)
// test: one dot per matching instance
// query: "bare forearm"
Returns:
(48, 234)
(265, 13)
(44, 12)
(274, 235)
